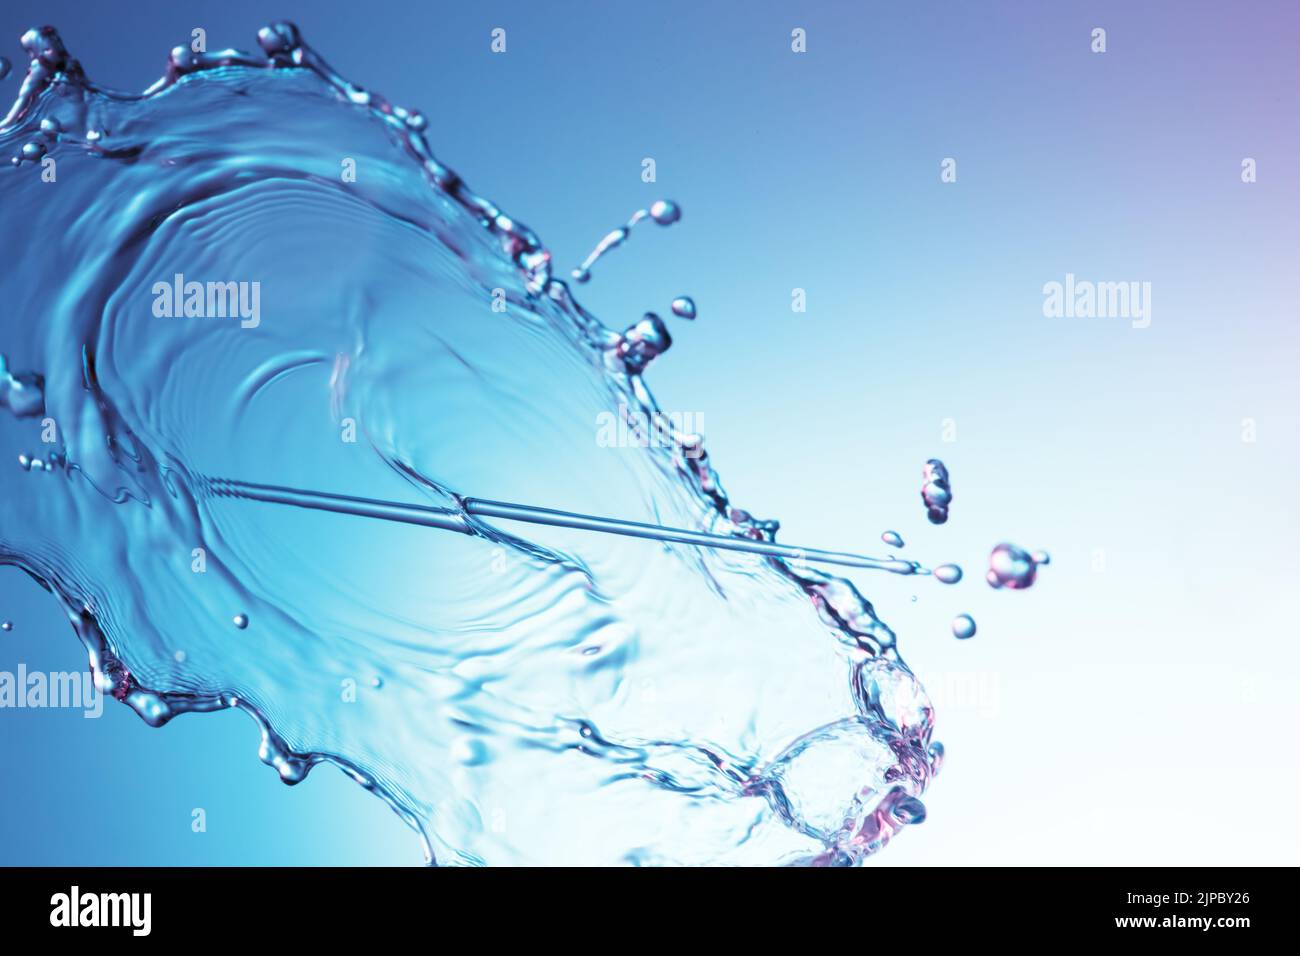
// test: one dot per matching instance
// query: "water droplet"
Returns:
(948, 573)
(25, 463)
(4, 68)
(963, 627)
(892, 538)
(241, 621)
(936, 492)
(1011, 567)
(7, 626)
(1042, 557)
(909, 810)
(180, 657)
(684, 307)
(665, 212)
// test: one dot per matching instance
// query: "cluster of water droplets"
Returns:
(936, 491)
(1008, 566)
(1013, 567)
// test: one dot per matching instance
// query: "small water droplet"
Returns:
(241, 621)
(4, 68)
(665, 211)
(963, 627)
(7, 626)
(892, 538)
(1042, 557)
(684, 307)
(180, 657)
(948, 573)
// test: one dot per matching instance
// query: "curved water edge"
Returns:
(824, 770)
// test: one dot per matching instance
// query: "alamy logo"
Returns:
(209, 300)
(1098, 300)
(34, 689)
(636, 429)
(103, 909)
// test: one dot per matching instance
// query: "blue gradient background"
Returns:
(1138, 714)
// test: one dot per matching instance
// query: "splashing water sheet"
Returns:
(233, 313)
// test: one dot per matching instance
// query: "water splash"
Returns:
(663, 211)
(680, 705)
(936, 492)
